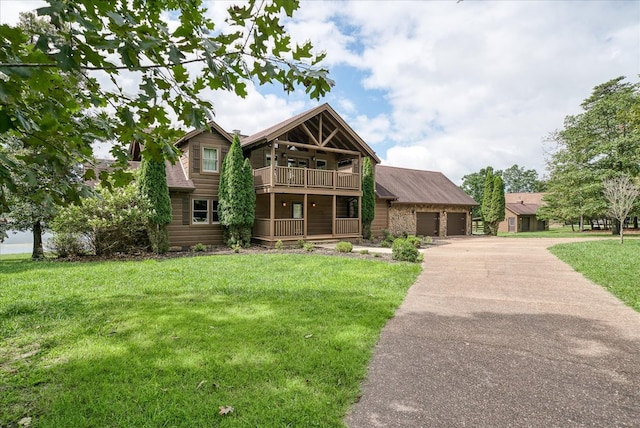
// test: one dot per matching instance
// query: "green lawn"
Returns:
(284, 339)
(566, 232)
(607, 263)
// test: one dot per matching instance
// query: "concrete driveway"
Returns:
(499, 332)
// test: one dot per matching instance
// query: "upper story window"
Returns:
(209, 159)
(321, 164)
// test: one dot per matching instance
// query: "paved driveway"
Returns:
(498, 332)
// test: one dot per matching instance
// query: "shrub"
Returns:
(279, 245)
(308, 246)
(405, 251)
(111, 222)
(344, 247)
(67, 244)
(199, 248)
(365, 251)
(300, 243)
(387, 239)
(427, 240)
(416, 242)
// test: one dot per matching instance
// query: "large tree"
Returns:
(368, 197)
(597, 144)
(518, 179)
(487, 195)
(236, 197)
(473, 185)
(98, 42)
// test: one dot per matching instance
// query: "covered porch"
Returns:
(290, 217)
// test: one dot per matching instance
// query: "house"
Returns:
(421, 203)
(520, 213)
(307, 179)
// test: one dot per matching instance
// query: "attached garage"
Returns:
(428, 224)
(424, 203)
(456, 224)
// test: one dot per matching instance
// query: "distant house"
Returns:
(422, 203)
(520, 213)
(307, 178)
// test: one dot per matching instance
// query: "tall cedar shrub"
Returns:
(152, 185)
(236, 197)
(496, 211)
(486, 200)
(368, 198)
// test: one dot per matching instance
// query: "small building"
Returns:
(520, 213)
(421, 203)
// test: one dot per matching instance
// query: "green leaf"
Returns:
(116, 18)
(5, 122)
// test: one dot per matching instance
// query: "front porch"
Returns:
(290, 217)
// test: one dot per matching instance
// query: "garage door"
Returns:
(427, 224)
(456, 224)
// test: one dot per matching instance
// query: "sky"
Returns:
(449, 86)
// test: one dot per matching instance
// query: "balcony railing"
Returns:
(306, 178)
(294, 227)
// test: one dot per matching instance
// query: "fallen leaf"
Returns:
(225, 410)
(25, 422)
(202, 382)
(308, 336)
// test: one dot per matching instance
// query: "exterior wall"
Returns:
(182, 231)
(402, 217)
(381, 219)
(519, 221)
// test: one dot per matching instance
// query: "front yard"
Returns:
(264, 339)
(607, 263)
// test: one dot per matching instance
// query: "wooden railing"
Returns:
(289, 227)
(304, 177)
(347, 226)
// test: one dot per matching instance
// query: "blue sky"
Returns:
(444, 85)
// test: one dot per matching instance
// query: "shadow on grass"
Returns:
(162, 357)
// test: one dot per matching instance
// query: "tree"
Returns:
(236, 197)
(487, 195)
(600, 143)
(368, 197)
(152, 185)
(96, 42)
(473, 185)
(496, 210)
(621, 193)
(517, 179)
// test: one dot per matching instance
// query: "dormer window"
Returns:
(210, 159)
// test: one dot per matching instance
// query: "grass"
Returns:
(283, 339)
(566, 232)
(607, 263)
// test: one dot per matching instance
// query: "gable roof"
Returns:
(412, 186)
(176, 178)
(210, 126)
(523, 203)
(285, 126)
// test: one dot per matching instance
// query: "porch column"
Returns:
(305, 214)
(272, 211)
(333, 216)
(360, 215)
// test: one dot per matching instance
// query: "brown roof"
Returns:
(210, 126)
(522, 208)
(523, 203)
(278, 129)
(176, 178)
(412, 186)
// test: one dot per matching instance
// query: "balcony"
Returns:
(283, 176)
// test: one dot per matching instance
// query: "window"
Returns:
(267, 161)
(209, 159)
(200, 211)
(321, 164)
(214, 212)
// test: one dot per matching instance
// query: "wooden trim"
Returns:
(195, 157)
(333, 134)
(312, 147)
(308, 132)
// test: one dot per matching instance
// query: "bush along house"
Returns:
(307, 178)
